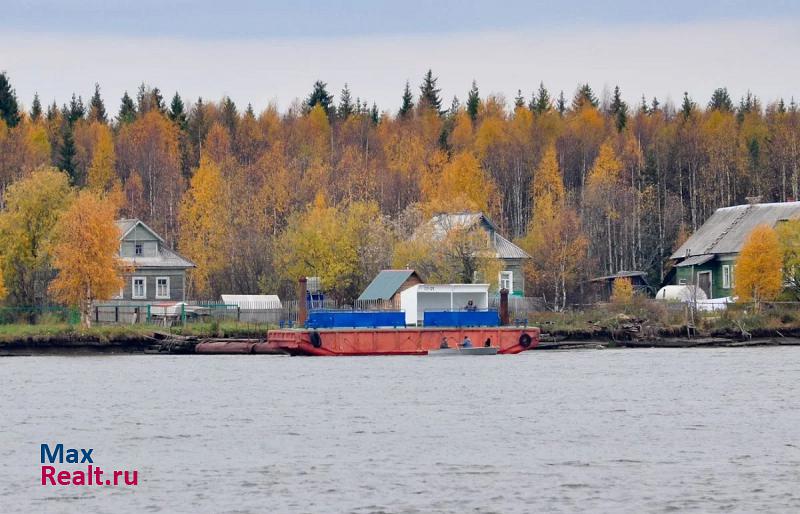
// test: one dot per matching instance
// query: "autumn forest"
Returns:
(334, 186)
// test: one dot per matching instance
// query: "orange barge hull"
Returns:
(401, 341)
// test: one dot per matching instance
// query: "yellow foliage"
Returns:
(789, 238)
(86, 253)
(758, 267)
(622, 291)
(204, 226)
(607, 169)
(547, 181)
(33, 206)
(102, 174)
(461, 186)
(340, 246)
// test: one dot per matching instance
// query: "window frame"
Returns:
(163, 297)
(726, 276)
(143, 296)
(138, 249)
(510, 280)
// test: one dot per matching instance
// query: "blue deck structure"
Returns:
(461, 319)
(355, 319)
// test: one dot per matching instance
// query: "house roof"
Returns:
(620, 274)
(385, 284)
(126, 225)
(441, 224)
(166, 258)
(695, 260)
(726, 229)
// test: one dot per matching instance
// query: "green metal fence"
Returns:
(35, 315)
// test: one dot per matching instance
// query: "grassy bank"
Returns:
(103, 333)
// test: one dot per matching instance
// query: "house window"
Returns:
(139, 287)
(138, 249)
(121, 294)
(682, 282)
(733, 275)
(726, 276)
(162, 288)
(507, 280)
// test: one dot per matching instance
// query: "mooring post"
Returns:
(504, 306)
(302, 308)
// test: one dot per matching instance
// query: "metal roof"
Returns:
(166, 258)
(620, 274)
(441, 224)
(695, 260)
(726, 229)
(127, 224)
(385, 284)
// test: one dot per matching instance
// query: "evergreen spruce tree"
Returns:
(584, 96)
(429, 93)
(52, 111)
(97, 109)
(76, 109)
(9, 108)
(687, 106)
(127, 110)
(643, 108)
(408, 102)
(177, 111)
(157, 100)
(519, 100)
(619, 110)
(374, 114)
(66, 151)
(319, 95)
(781, 106)
(36, 108)
(473, 102)
(542, 102)
(654, 106)
(561, 105)
(346, 109)
(230, 115)
(249, 112)
(720, 100)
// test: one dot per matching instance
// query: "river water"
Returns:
(665, 430)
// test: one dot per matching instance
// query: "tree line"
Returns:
(334, 187)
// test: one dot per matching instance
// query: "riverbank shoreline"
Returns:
(163, 344)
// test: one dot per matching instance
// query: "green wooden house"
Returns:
(708, 258)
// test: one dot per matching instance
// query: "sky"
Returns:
(265, 51)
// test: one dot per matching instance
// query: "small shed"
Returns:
(384, 290)
(604, 286)
(254, 308)
(441, 297)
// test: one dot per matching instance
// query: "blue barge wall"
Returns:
(461, 319)
(355, 319)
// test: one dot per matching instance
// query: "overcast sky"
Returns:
(263, 51)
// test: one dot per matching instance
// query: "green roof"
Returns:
(386, 284)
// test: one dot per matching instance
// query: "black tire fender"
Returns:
(316, 340)
(525, 340)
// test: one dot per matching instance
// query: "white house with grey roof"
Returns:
(511, 256)
(708, 258)
(158, 273)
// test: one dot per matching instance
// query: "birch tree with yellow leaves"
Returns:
(85, 253)
(204, 228)
(758, 268)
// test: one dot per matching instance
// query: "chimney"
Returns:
(302, 308)
(504, 306)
